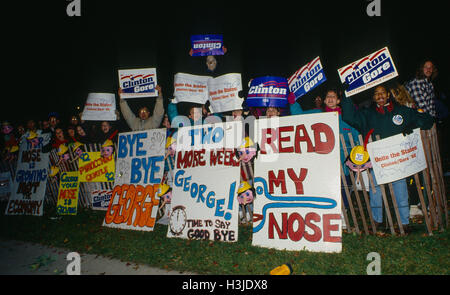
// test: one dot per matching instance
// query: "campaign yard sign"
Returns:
(100, 107)
(203, 45)
(139, 170)
(101, 199)
(67, 203)
(268, 91)
(138, 82)
(30, 181)
(206, 178)
(93, 167)
(297, 183)
(307, 78)
(368, 71)
(397, 157)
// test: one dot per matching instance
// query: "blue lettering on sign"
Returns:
(208, 135)
(308, 82)
(198, 193)
(150, 167)
(130, 145)
(203, 45)
(371, 71)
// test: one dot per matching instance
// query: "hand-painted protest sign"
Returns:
(206, 178)
(5, 185)
(190, 88)
(138, 83)
(297, 183)
(95, 168)
(223, 93)
(397, 157)
(30, 181)
(139, 170)
(307, 78)
(203, 45)
(101, 199)
(368, 72)
(68, 193)
(99, 107)
(268, 91)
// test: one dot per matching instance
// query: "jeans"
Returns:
(401, 196)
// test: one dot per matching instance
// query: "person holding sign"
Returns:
(331, 101)
(386, 118)
(143, 121)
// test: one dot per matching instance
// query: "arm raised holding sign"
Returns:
(143, 121)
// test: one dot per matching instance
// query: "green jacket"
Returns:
(385, 121)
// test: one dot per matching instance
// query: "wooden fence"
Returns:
(358, 218)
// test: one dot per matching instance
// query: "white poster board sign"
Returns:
(206, 178)
(223, 93)
(190, 88)
(100, 107)
(297, 183)
(139, 170)
(397, 157)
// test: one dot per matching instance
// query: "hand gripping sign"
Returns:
(203, 45)
(368, 71)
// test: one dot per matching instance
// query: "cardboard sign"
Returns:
(190, 88)
(138, 83)
(206, 178)
(30, 181)
(5, 185)
(297, 183)
(268, 91)
(100, 107)
(368, 72)
(307, 78)
(68, 193)
(101, 199)
(223, 93)
(93, 167)
(397, 157)
(139, 170)
(203, 45)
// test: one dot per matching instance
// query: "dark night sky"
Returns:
(53, 61)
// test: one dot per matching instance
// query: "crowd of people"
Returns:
(418, 103)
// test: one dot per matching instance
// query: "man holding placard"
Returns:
(143, 121)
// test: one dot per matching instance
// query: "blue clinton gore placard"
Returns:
(203, 45)
(368, 71)
(268, 91)
(307, 78)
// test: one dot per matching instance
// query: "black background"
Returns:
(53, 61)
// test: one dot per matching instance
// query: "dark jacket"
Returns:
(386, 121)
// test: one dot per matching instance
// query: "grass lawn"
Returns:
(417, 253)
